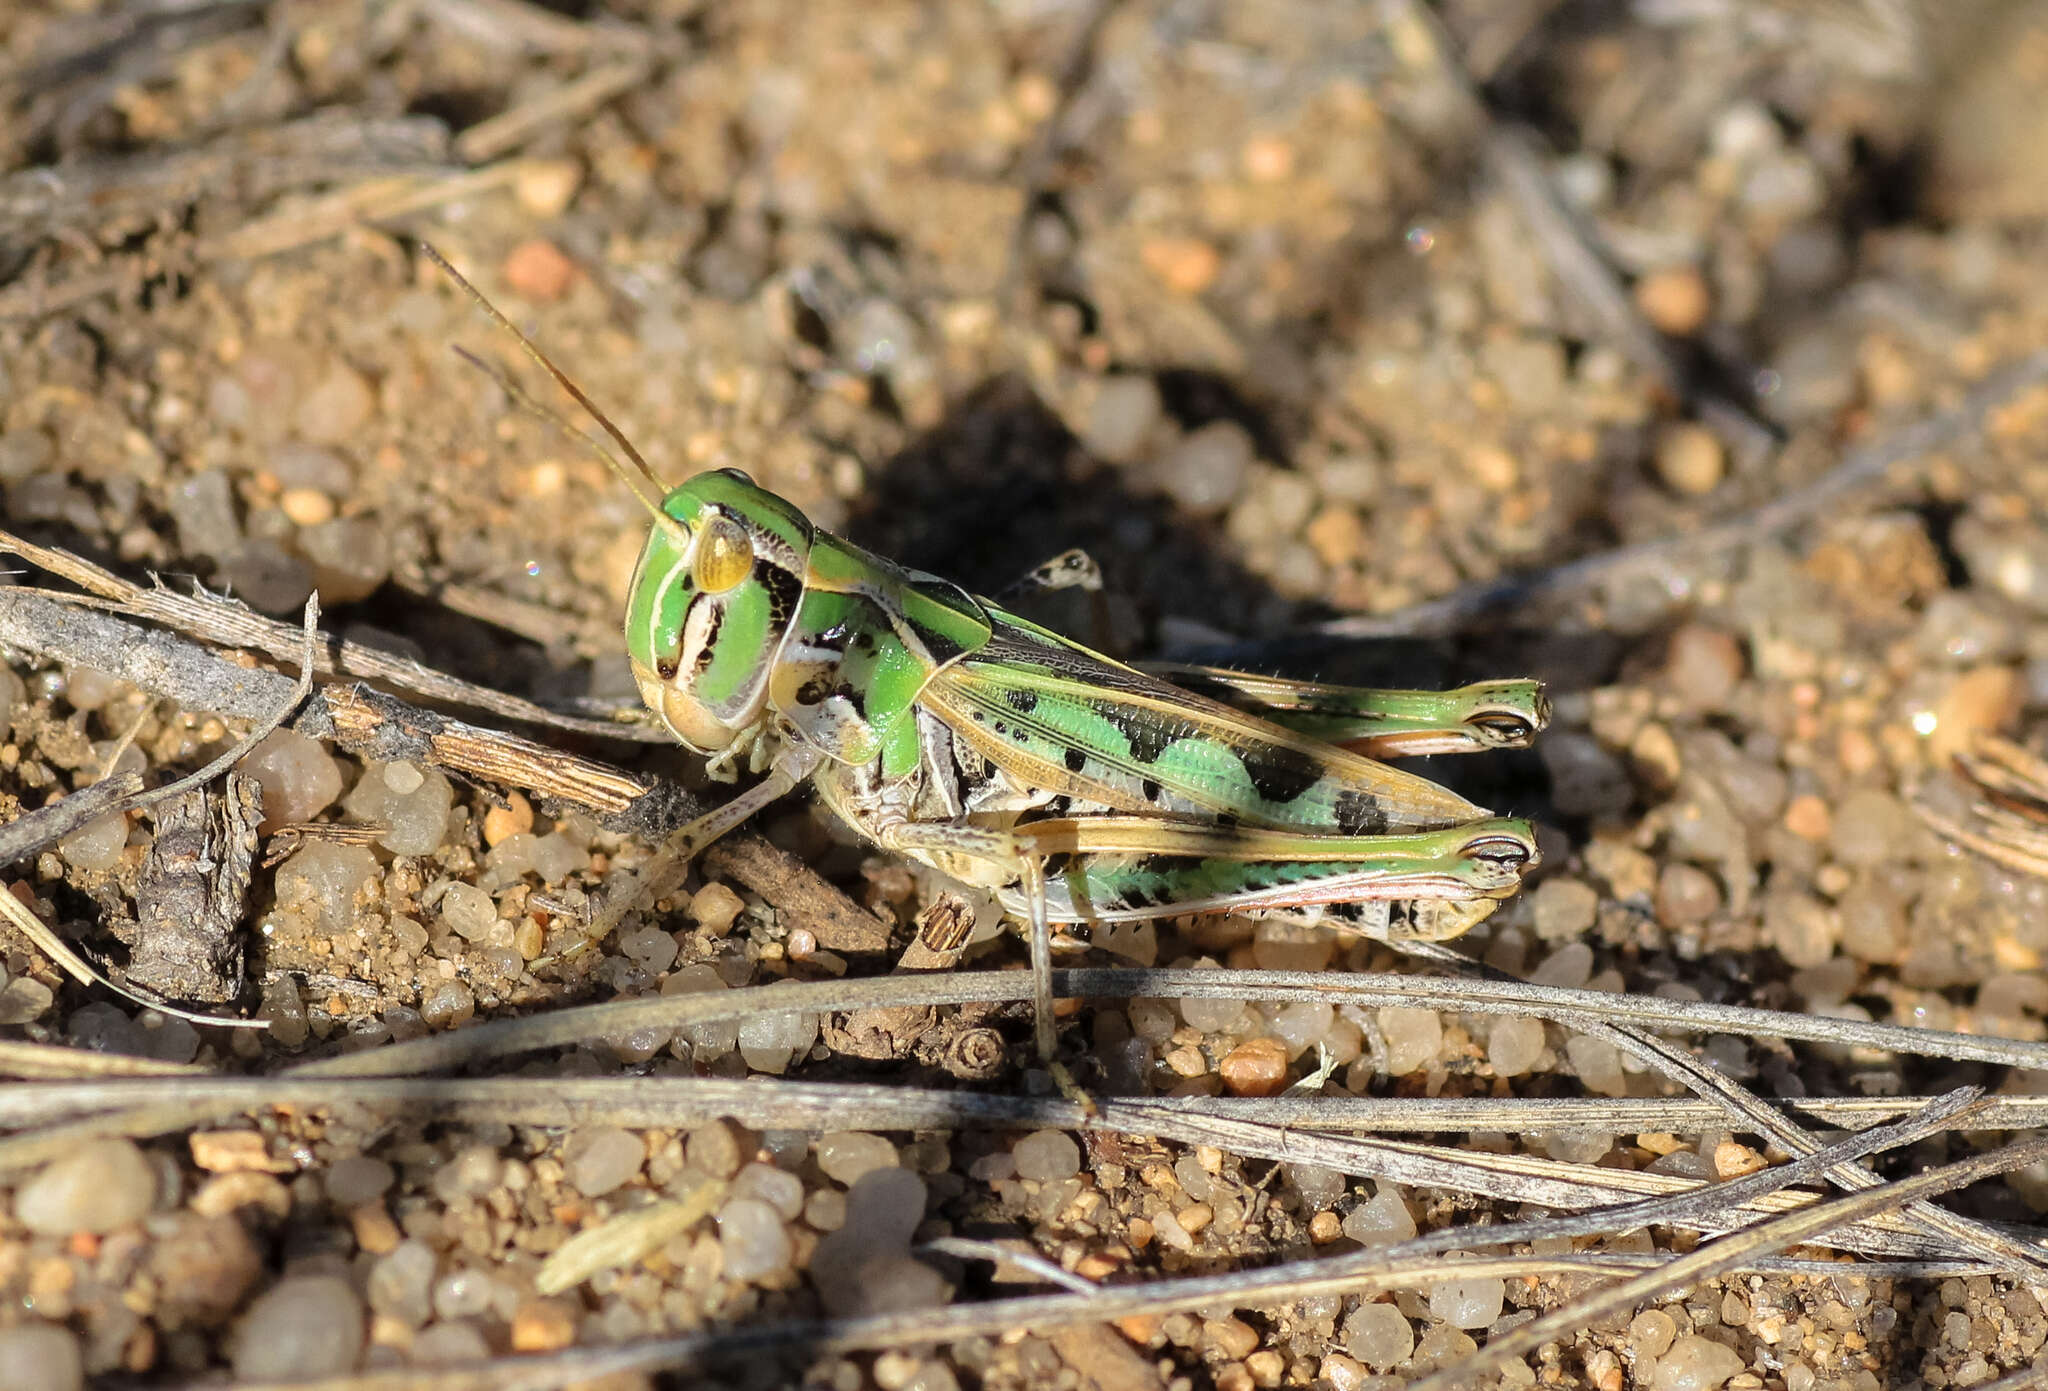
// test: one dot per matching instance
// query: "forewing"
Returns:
(1056, 716)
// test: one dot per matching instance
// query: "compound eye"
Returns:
(724, 556)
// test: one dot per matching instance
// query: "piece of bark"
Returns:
(187, 940)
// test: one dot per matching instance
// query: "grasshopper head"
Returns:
(715, 590)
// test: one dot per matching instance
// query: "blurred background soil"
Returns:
(1247, 299)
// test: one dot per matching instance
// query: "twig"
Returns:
(46, 825)
(77, 967)
(508, 130)
(217, 620)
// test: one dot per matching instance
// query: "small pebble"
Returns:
(1206, 470)
(299, 778)
(1804, 929)
(447, 1343)
(468, 911)
(1563, 909)
(753, 1240)
(266, 577)
(1047, 1156)
(1675, 300)
(351, 558)
(768, 1042)
(514, 818)
(1414, 1038)
(416, 819)
(1983, 700)
(1686, 895)
(1597, 1064)
(1380, 1220)
(1124, 412)
(1514, 1045)
(202, 508)
(42, 1357)
(714, 907)
(306, 506)
(326, 877)
(1690, 460)
(400, 1284)
(97, 845)
(1473, 1303)
(307, 1326)
(779, 1188)
(449, 1005)
(297, 465)
(596, 1161)
(96, 1187)
(336, 409)
(845, 1156)
(1696, 1364)
(545, 188)
(1703, 666)
(1184, 265)
(1650, 1333)
(537, 270)
(1256, 1067)
(1379, 1336)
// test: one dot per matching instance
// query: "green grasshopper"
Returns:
(1079, 790)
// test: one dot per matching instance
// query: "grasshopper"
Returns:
(1079, 790)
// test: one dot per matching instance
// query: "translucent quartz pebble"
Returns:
(401, 1283)
(597, 1161)
(1125, 410)
(1514, 1044)
(1206, 471)
(1381, 1220)
(753, 1240)
(325, 878)
(1211, 1016)
(769, 1041)
(1414, 1037)
(1379, 1336)
(778, 1188)
(42, 1357)
(468, 911)
(97, 844)
(308, 1326)
(1467, 1303)
(1047, 1155)
(96, 1187)
(1696, 1364)
(845, 1155)
(412, 803)
(300, 780)
(1299, 1026)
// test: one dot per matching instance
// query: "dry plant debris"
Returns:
(1613, 344)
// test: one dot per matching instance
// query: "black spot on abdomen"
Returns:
(1021, 700)
(1281, 774)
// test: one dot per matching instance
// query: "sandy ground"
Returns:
(1298, 316)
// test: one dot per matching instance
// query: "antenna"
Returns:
(648, 488)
